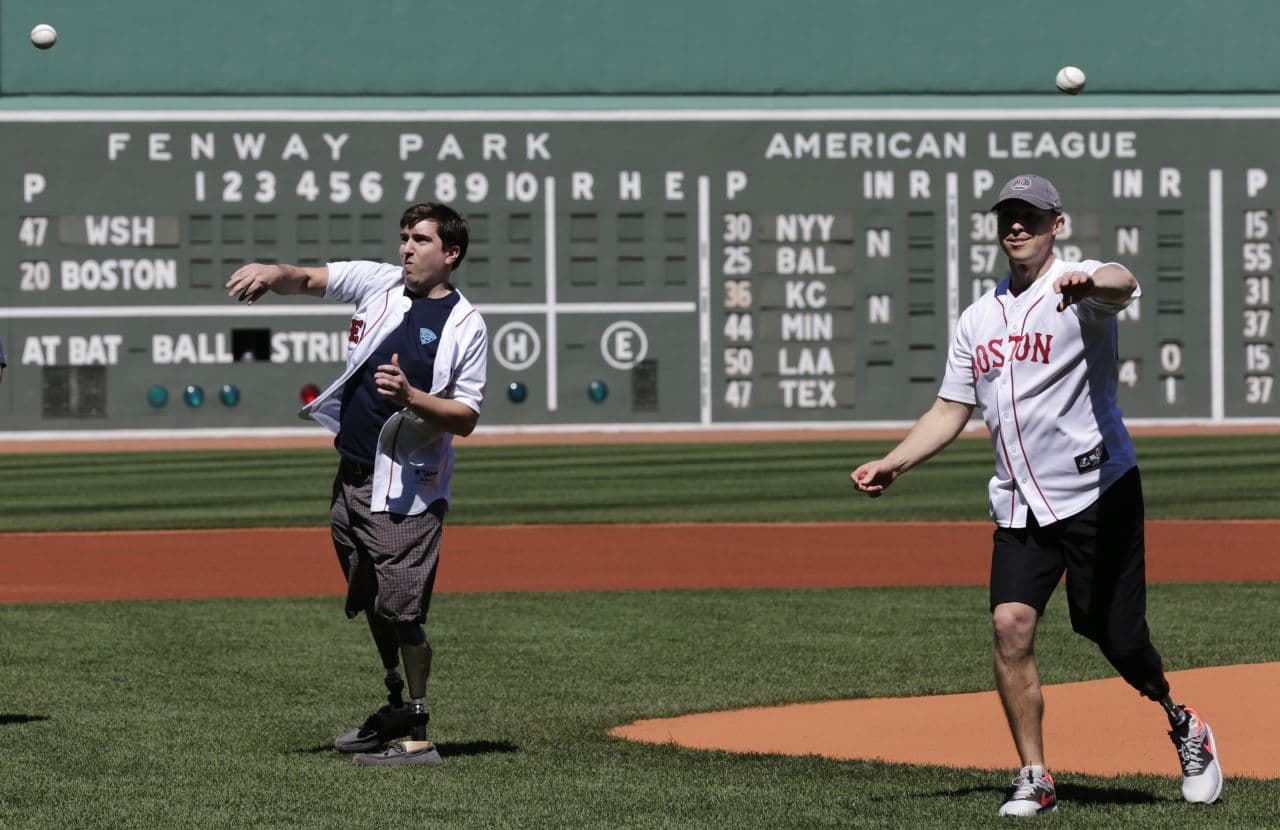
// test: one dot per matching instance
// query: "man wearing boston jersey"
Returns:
(1038, 355)
(415, 377)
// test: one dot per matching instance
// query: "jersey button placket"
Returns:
(1016, 467)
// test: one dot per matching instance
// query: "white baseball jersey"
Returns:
(1046, 382)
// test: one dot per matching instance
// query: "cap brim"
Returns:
(1039, 203)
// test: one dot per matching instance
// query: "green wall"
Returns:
(660, 47)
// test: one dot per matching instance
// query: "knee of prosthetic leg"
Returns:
(410, 634)
(1142, 669)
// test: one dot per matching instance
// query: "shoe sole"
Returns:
(1039, 812)
(429, 758)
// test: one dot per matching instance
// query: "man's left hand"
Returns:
(1074, 287)
(392, 383)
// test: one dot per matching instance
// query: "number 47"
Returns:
(32, 230)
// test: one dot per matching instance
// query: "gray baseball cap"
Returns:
(1032, 189)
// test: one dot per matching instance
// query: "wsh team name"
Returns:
(994, 354)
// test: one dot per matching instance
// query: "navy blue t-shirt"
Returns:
(364, 411)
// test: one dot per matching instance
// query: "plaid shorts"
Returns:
(389, 559)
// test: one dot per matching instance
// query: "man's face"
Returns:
(1027, 232)
(427, 263)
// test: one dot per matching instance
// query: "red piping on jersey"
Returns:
(1013, 403)
(1013, 490)
(1008, 465)
(386, 303)
(464, 318)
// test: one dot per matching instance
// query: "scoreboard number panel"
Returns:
(634, 267)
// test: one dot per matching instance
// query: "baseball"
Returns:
(1070, 79)
(44, 36)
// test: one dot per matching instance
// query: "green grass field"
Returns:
(221, 713)
(1221, 477)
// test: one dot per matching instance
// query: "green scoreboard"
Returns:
(647, 267)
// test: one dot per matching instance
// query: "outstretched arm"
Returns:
(251, 281)
(935, 429)
(1111, 284)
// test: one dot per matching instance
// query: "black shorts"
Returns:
(1103, 553)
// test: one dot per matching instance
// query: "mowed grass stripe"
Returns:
(1203, 477)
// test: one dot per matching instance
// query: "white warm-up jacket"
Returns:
(414, 461)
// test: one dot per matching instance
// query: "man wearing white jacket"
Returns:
(415, 377)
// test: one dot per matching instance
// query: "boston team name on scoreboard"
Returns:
(101, 274)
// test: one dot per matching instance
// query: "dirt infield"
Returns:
(299, 561)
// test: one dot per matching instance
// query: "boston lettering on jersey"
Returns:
(995, 353)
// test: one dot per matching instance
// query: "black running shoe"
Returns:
(386, 724)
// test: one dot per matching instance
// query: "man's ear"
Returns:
(452, 253)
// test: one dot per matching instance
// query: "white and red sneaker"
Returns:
(1033, 794)
(1198, 754)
